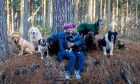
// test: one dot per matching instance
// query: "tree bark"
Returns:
(136, 6)
(104, 9)
(30, 11)
(48, 14)
(126, 10)
(109, 17)
(62, 14)
(12, 17)
(90, 10)
(94, 10)
(4, 50)
(105, 22)
(100, 8)
(76, 11)
(113, 12)
(25, 20)
(55, 12)
(51, 13)
(117, 27)
(21, 16)
(8, 16)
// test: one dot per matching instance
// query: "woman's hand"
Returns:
(70, 44)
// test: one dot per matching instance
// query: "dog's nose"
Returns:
(33, 32)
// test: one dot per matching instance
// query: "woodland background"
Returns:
(49, 16)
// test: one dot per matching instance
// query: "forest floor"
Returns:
(122, 68)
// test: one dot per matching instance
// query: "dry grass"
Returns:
(96, 70)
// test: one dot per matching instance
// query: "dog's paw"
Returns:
(19, 55)
(105, 53)
(41, 57)
(47, 56)
(111, 54)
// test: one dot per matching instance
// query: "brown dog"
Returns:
(23, 45)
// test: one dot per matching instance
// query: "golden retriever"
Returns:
(34, 35)
(23, 45)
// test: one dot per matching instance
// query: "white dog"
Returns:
(34, 35)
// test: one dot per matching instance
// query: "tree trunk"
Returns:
(104, 9)
(48, 14)
(8, 16)
(12, 17)
(109, 17)
(130, 8)
(90, 10)
(100, 8)
(117, 26)
(94, 10)
(21, 16)
(136, 6)
(104, 17)
(68, 12)
(30, 11)
(62, 14)
(113, 12)
(25, 20)
(126, 11)
(76, 11)
(4, 50)
(55, 12)
(51, 13)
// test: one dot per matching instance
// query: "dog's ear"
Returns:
(109, 32)
(37, 29)
(39, 41)
(116, 33)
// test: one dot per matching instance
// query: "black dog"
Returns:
(120, 44)
(89, 39)
(53, 44)
(84, 28)
(69, 38)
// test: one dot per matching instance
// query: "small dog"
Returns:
(43, 47)
(107, 42)
(89, 39)
(23, 45)
(34, 35)
(69, 38)
(120, 44)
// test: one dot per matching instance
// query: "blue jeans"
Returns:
(72, 58)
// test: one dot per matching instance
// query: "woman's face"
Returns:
(70, 31)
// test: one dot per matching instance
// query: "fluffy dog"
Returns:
(23, 45)
(107, 42)
(42, 47)
(53, 44)
(34, 35)
(84, 28)
(89, 39)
